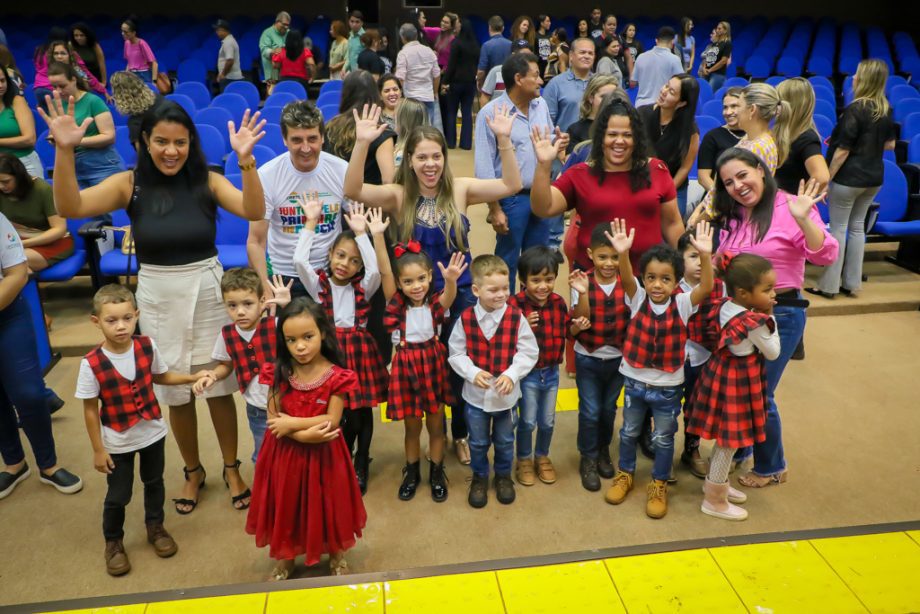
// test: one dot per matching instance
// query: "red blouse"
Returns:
(293, 68)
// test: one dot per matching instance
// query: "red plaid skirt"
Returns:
(418, 380)
(363, 357)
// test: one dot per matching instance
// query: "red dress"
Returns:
(305, 497)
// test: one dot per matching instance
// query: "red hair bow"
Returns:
(412, 246)
(725, 259)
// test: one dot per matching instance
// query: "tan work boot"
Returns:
(161, 540)
(525, 474)
(116, 559)
(657, 504)
(545, 470)
(622, 484)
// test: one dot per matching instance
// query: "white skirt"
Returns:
(182, 310)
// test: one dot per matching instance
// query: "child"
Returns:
(492, 350)
(344, 289)
(306, 498)
(123, 418)
(418, 374)
(654, 352)
(599, 318)
(728, 404)
(547, 315)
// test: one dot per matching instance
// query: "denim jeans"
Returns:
(524, 230)
(145, 75)
(682, 200)
(537, 410)
(464, 300)
(664, 404)
(93, 166)
(429, 107)
(491, 428)
(769, 457)
(599, 383)
(258, 422)
(21, 386)
(121, 483)
(716, 80)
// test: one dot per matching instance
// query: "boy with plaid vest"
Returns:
(492, 350)
(123, 418)
(654, 352)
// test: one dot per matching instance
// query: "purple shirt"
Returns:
(139, 56)
(442, 47)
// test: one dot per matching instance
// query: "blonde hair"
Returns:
(767, 100)
(871, 76)
(728, 30)
(132, 96)
(112, 294)
(800, 95)
(487, 264)
(596, 83)
(410, 114)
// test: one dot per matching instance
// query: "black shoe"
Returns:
(589, 478)
(504, 489)
(819, 292)
(8, 481)
(63, 480)
(54, 402)
(411, 478)
(645, 439)
(479, 491)
(362, 464)
(438, 480)
(604, 464)
(799, 353)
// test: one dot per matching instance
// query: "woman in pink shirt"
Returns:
(140, 58)
(758, 218)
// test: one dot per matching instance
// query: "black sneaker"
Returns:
(8, 481)
(63, 480)
(411, 478)
(604, 464)
(589, 478)
(504, 489)
(479, 491)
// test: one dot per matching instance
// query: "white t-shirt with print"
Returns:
(11, 252)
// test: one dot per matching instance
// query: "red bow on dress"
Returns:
(412, 246)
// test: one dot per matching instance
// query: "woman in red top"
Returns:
(295, 62)
(619, 179)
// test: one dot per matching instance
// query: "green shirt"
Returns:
(9, 128)
(354, 50)
(89, 105)
(32, 211)
(268, 42)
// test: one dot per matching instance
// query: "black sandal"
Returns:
(243, 495)
(189, 502)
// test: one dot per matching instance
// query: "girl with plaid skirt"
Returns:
(419, 385)
(344, 290)
(728, 402)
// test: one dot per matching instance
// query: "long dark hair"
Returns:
(293, 45)
(284, 363)
(682, 35)
(11, 90)
(56, 33)
(11, 165)
(683, 121)
(358, 89)
(639, 175)
(467, 35)
(725, 206)
(91, 39)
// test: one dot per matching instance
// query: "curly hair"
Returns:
(615, 106)
(132, 96)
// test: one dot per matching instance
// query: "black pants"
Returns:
(459, 96)
(121, 484)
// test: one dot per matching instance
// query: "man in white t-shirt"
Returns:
(288, 182)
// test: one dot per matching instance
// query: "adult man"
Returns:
(272, 40)
(516, 226)
(494, 85)
(655, 67)
(356, 25)
(417, 68)
(289, 181)
(595, 26)
(228, 58)
(564, 93)
(494, 51)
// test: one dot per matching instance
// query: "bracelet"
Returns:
(506, 148)
(248, 166)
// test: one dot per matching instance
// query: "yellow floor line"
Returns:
(572, 587)
(354, 599)
(453, 594)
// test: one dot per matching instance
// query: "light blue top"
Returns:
(563, 97)
(354, 50)
(652, 70)
(489, 166)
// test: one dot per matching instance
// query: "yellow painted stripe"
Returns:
(231, 604)
(137, 608)
(573, 587)
(354, 598)
(456, 594)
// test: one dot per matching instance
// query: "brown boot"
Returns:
(162, 541)
(116, 560)
(657, 504)
(545, 470)
(622, 484)
(525, 473)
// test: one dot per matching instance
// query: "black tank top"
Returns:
(170, 226)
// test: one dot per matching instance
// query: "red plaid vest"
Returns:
(125, 402)
(361, 305)
(551, 331)
(703, 326)
(493, 355)
(609, 317)
(394, 318)
(656, 341)
(249, 356)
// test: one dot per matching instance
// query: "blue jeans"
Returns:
(599, 383)
(769, 457)
(537, 411)
(464, 300)
(524, 230)
(682, 201)
(664, 404)
(716, 80)
(258, 422)
(21, 386)
(429, 106)
(491, 428)
(145, 75)
(95, 165)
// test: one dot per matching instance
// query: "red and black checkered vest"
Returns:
(492, 355)
(551, 330)
(126, 402)
(394, 318)
(249, 356)
(656, 341)
(703, 325)
(361, 305)
(609, 317)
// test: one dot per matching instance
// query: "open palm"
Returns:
(808, 195)
(543, 145)
(367, 124)
(62, 125)
(250, 132)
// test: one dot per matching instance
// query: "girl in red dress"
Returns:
(728, 402)
(305, 496)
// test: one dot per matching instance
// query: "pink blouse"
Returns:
(783, 244)
(42, 80)
(442, 48)
(139, 56)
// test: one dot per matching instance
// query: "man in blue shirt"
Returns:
(655, 67)
(564, 93)
(494, 51)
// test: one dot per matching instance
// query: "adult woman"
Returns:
(17, 128)
(716, 55)
(138, 54)
(559, 59)
(383, 50)
(84, 44)
(787, 231)
(671, 129)
(865, 130)
(21, 388)
(390, 95)
(172, 200)
(429, 205)
(29, 205)
(599, 86)
(60, 52)
(522, 29)
(798, 145)
(368, 59)
(632, 45)
(132, 99)
(459, 85)
(40, 60)
(8, 67)
(686, 43)
(619, 180)
(442, 37)
(294, 62)
(338, 51)
(544, 41)
(581, 29)
(96, 157)
(613, 62)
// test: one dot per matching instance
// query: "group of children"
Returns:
(315, 367)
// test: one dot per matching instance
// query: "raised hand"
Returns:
(312, 208)
(808, 195)
(703, 239)
(501, 121)
(367, 124)
(578, 281)
(356, 219)
(543, 145)
(377, 223)
(454, 268)
(250, 132)
(61, 124)
(619, 237)
(281, 293)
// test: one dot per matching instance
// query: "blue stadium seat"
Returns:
(272, 139)
(218, 118)
(910, 127)
(334, 85)
(736, 82)
(68, 268)
(198, 92)
(758, 66)
(713, 108)
(113, 263)
(271, 114)
(192, 70)
(232, 232)
(329, 111)
(790, 66)
(705, 91)
(247, 90)
(124, 147)
(825, 108)
(235, 104)
(280, 99)
(902, 92)
(892, 199)
(905, 107)
(45, 151)
(261, 153)
(817, 79)
(913, 150)
(185, 102)
(236, 179)
(290, 87)
(212, 144)
(328, 98)
(775, 80)
(824, 126)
